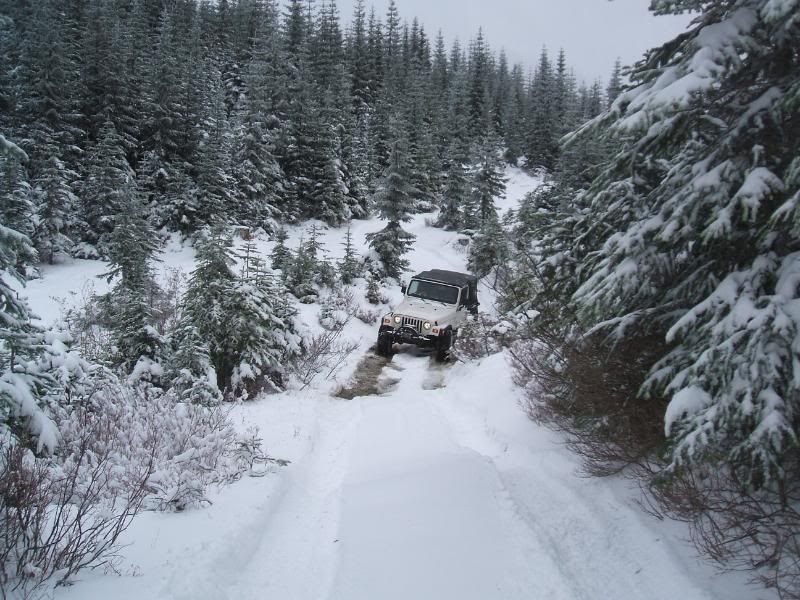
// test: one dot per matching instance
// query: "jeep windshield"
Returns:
(429, 290)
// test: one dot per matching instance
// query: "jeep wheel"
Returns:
(384, 345)
(443, 346)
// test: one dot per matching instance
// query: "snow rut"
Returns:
(421, 516)
(598, 545)
(298, 556)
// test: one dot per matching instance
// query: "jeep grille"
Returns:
(412, 322)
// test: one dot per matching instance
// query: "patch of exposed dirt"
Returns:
(367, 380)
(375, 375)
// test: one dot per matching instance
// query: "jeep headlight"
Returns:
(397, 319)
(426, 325)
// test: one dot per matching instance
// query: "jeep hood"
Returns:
(430, 310)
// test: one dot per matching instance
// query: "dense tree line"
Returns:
(250, 112)
(657, 279)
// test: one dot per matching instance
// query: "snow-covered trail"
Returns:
(422, 516)
(440, 488)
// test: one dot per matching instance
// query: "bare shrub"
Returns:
(324, 354)
(123, 448)
(58, 517)
(741, 526)
(249, 454)
(83, 320)
(366, 315)
(588, 390)
(166, 299)
(188, 446)
(481, 336)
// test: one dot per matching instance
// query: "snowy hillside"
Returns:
(437, 486)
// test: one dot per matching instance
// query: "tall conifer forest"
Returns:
(251, 112)
(648, 290)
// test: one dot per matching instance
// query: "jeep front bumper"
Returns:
(407, 335)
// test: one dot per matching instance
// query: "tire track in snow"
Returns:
(298, 555)
(600, 546)
(424, 518)
(204, 566)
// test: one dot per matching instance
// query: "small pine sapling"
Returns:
(350, 267)
(281, 255)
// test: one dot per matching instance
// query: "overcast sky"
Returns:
(592, 32)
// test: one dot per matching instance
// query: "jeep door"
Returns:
(461, 312)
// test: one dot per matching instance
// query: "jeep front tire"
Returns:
(384, 345)
(443, 345)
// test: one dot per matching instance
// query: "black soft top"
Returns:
(449, 277)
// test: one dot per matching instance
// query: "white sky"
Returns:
(593, 33)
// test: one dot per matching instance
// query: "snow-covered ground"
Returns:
(438, 488)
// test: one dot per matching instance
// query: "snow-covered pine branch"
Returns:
(691, 229)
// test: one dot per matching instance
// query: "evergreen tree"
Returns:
(353, 137)
(23, 410)
(107, 85)
(50, 120)
(295, 29)
(373, 294)
(191, 373)
(128, 307)
(375, 53)
(55, 208)
(281, 255)
(479, 108)
(488, 182)
(614, 88)
(395, 200)
(514, 116)
(262, 332)
(359, 62)
(688, 234)
(259, 178)
(349, 265)
(215, 196)
(206, 300)
(562, 102)
(440, 71)
(457, 189)
(300, 274)
(327, 51)
(543, 130)
(107, 189)
(392, 48)
(327, 199)
(16, 196)
(489, 248)
(166, 88)
(500, 96)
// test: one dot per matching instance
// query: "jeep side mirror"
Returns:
(403, 287)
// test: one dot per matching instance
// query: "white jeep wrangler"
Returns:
(436, 304)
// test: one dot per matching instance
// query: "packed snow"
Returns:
(438, 486)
